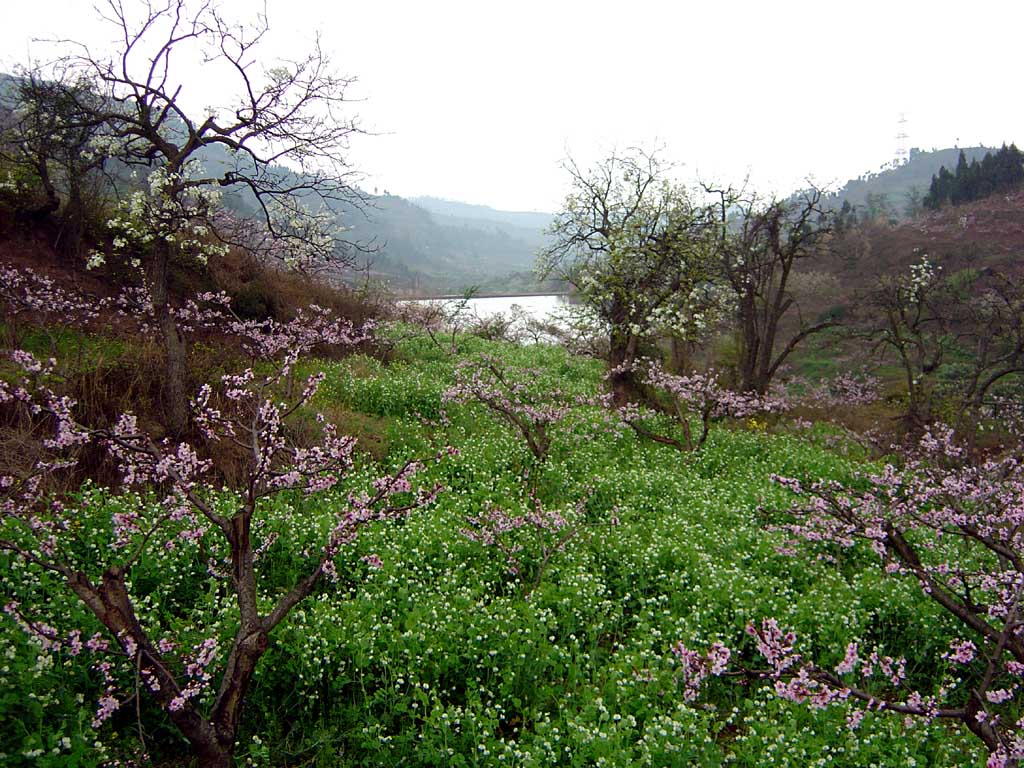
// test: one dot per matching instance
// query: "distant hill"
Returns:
(425, 246)
(429, 245)
(985, 233)
(438, 247)
(897, 184)
(529, 221)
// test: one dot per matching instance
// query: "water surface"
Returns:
(543, 307)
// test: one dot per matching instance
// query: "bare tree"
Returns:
(282, 144)
(955, 338)
(996, 341)
(762, 244)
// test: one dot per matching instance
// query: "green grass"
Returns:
(438, 658)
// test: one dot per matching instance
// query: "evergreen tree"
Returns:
(1000, 172)
(958, 193)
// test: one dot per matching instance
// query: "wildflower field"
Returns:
(540, 611)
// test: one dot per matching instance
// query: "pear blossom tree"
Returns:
(46, 137)
(917, 329)
(637, 249)
(281, 142)
(956, 338)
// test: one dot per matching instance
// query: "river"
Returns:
(543, 307)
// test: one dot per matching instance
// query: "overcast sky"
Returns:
(481, 101)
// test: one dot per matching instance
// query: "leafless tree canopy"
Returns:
(762, 245)
(283, 142)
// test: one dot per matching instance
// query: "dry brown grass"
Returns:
(263, 291)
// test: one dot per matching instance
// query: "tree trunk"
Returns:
(175, 384)
(72, 227)
(621, 357)
(749, 344)
(680, 351)
(763, 370)
(109, 601)
(215, 754)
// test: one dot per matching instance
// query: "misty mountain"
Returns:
(424, 248)
(453, 212)
(436, 247)
(439, 246)
(418, 249)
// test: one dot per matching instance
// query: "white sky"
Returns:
(480, 101)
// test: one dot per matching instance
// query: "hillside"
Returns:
(417, 248)
(421, 246)
(526, 598)
(528, 223)
(738, 499)
(984, 233)
(424, 249)
(424, 245)
(897, 183)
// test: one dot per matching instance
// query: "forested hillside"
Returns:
(898, 192)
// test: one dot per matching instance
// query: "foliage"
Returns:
(444, 656)
(1001, 172)
(47, 144)
(520, 398)
(250, 584)
(577, 596)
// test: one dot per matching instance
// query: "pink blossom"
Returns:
(373, 561)
(961, 651)
(849, 661)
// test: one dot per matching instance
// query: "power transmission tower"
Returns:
(902, 152)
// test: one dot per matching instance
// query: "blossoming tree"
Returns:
(47, 129)
(196, 666)
(280, 140)
(957, 339)
(697, 396)
(638, 250)
(954, 528)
